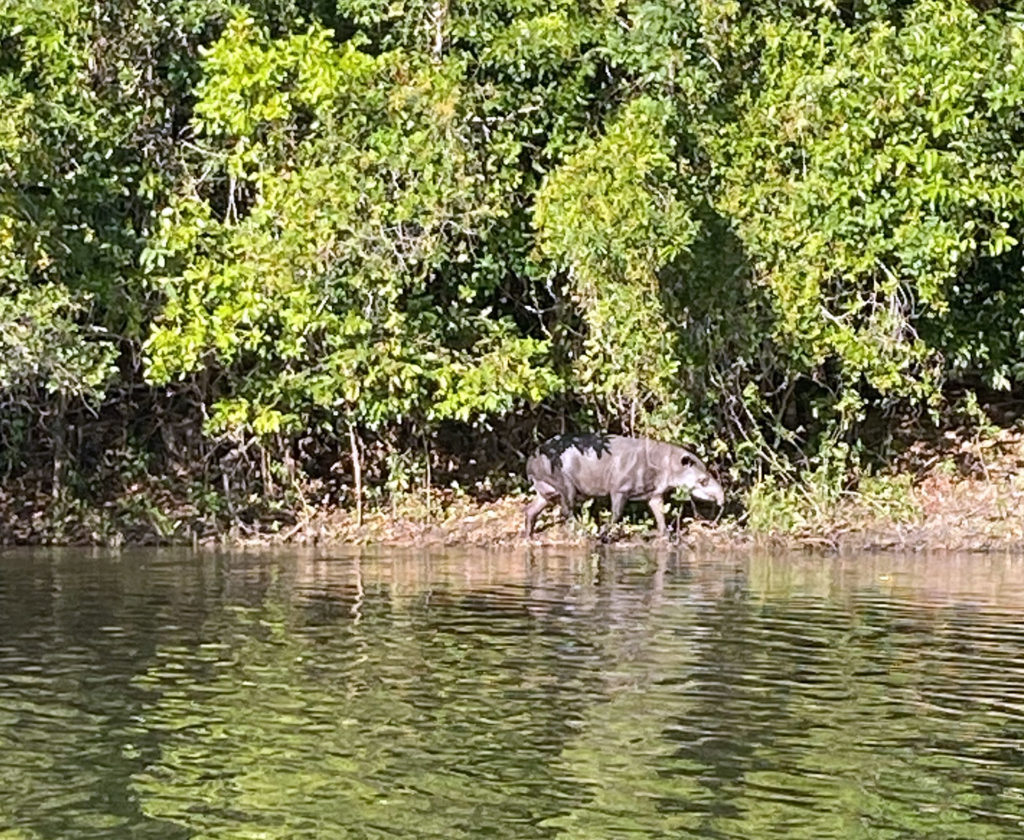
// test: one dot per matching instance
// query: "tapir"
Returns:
(569, 467)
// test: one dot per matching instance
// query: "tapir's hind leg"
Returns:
(546, 494)
(533, 511)
(567, 499)
(618, 505)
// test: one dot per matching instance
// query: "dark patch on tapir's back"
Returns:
(598, 444)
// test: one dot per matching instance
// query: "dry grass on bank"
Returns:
(964, 492)
(970, 497)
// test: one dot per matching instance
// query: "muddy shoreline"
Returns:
(950, 516)
(953, 516)
(968, 498)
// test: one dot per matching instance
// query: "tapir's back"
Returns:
(598, 465)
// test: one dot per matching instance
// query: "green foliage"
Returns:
(90, 94)
(348, 183)
(41, 344)
(869, 172)
(749, 226)
(611, 216)
(830, 497)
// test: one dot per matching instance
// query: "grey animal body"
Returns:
(569, 467)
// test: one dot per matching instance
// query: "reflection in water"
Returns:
(451, 695)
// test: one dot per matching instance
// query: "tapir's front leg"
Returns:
(657, 505)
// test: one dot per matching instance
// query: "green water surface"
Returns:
(434, 694)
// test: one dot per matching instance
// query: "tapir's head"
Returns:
(690, 472)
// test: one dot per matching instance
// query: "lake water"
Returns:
(619, 694)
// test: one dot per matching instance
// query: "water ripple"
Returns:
(643, 694)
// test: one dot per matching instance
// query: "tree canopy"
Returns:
(746, 226)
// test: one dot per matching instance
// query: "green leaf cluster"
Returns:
(871, 171)
(752, 226)
(310, 256)
(610, 217)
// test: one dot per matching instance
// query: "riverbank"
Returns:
(942, 513)
(965, 495)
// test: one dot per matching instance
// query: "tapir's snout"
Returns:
(710, 492)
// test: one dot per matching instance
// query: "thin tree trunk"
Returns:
(439, 15)
(426, 477)
(227, 497)
(268, 479)
(59, 446)
(357, 472)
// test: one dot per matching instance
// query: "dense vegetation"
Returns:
(255, 253)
